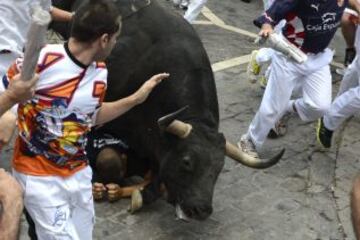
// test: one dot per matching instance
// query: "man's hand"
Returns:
(266, 30)
(7, 128)
(98, 191)
(19, 90)
(114, 192)
(144, 91)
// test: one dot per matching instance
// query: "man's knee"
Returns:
(317, 110)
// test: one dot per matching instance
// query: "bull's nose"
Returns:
(203, 212)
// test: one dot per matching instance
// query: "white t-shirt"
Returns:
(15, 21)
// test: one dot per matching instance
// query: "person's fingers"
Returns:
(112, 186)
(113, 191)
(99, 185)
(98, 196)
(16, 77)
(33, 81)
(162, 76)
(159, 77)
(113, 196)
(98, 188)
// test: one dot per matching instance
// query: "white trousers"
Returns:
(315, 79)
(347, 101)
(194, 10)
(61, 208)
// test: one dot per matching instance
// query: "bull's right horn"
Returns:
(250, 161)
(170, 124)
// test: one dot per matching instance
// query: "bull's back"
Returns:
(155, 40)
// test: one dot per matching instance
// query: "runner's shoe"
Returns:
(253, 68)
(350, 54)
(184, 4)
(247, 146)
(323, 134)
(176, 3)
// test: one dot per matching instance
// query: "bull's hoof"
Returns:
(136, 201)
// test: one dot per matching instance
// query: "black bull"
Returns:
(155, 40)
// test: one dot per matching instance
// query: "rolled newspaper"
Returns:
(36, 39)
(279, 43)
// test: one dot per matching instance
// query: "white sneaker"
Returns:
(253, 68)
(184, 4)
(247, 146)
(177, 2)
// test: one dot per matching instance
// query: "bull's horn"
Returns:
(235, 153)
(170, 124)
(180, 129)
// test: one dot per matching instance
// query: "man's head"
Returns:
(111, 166)
(97, 23)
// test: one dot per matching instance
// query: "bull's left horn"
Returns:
(170, 124)
(254, 162)
(180, 129)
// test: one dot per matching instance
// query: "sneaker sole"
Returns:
(318, 134)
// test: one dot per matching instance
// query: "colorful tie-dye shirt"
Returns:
(53, 124)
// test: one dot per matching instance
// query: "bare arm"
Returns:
(7, 128)
(111, 110)
(60, 15)
(11, 201)
(5, 103)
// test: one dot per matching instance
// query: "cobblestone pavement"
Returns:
(303, 197)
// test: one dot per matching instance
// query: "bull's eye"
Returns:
(187, 163)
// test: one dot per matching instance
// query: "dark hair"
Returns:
(109, 165)
(94, 19)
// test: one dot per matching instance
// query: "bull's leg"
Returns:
(151, 192)
(145, 196)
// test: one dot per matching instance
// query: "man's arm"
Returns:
(11, 201)
(277, 11)
(7, 127)
(5, 103)
(111, 110)
(60, 15)
(17, 91)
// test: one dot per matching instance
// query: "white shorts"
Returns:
(61, 208)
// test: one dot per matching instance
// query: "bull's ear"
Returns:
(166, 120)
